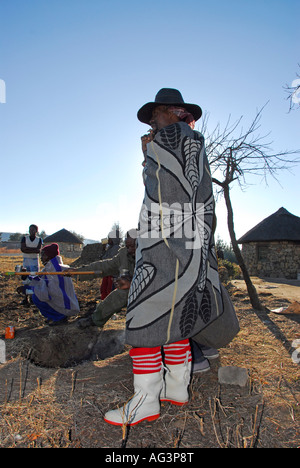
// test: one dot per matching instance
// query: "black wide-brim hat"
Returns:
(167, 97)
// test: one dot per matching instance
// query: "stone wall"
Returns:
(273, 259)
(68, 250)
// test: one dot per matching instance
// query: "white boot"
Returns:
(177, 379)
(145, 404)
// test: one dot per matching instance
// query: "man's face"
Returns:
(32, 231)
(162, 117)
(130, 246)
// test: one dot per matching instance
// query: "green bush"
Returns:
(229, 270)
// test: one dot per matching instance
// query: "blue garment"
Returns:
(46, 310)
(31, 264)
(56, 290)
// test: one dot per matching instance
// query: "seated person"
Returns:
(122, 266)
(54, 295)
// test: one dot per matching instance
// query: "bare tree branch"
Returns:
(232, 156)
(235, 153)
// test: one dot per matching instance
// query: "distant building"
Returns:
(272, 248)
(69, 244)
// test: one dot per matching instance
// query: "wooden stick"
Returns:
(40, 273)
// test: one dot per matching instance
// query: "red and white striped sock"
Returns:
(178, 353)
(146, 360)
(149, 360)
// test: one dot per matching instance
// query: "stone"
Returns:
(232, 375)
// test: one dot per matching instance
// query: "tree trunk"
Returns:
(254, 299)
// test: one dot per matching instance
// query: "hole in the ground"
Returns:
(66, 346)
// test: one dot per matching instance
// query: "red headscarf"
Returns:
(184, 115)
(51, 250)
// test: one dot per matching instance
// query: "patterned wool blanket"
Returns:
(175, 292)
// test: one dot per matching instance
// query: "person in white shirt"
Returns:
(30, 247)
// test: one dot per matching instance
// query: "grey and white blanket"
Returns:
(175, 292)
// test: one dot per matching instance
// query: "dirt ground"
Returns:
(282, 289)
(58, 407)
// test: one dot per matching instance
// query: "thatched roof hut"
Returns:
(280, 226)
(272, 247)
(69, 244)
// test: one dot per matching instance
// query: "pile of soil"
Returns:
(59, 406)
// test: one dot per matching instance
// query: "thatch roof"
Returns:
(63, 236)
(280, 226)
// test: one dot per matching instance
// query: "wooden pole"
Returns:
(41, 273)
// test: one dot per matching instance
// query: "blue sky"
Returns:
(76, 73)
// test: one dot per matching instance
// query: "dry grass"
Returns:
(36, 420)
(5, 251)
(64, 407)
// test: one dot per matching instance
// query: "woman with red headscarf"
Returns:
(54, 295)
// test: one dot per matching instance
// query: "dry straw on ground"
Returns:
(64, 407)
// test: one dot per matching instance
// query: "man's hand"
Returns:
(145, 139)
